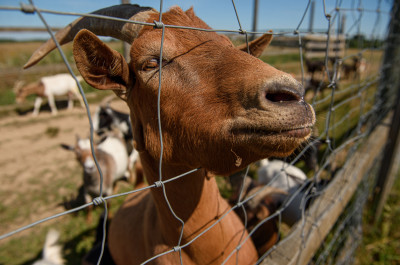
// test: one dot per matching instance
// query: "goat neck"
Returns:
(36, 88)
(196, 200)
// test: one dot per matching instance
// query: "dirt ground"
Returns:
(35, 173)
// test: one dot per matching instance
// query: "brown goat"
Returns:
(220, 110)
(354, 69)
(314, 66)
(261, 204)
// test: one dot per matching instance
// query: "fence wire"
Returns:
(347, 112)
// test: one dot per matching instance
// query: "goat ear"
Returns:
(257, 46)
(100, 66)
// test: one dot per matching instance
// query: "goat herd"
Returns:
(220, 109)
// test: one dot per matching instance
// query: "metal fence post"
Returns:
(255, 19)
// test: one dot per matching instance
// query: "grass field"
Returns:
(381, 241)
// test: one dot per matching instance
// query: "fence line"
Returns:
(328, 207)
(311, 233)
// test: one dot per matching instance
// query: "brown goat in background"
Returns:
(314, 66)
(354, 69)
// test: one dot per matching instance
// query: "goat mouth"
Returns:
(297, 133)
(300, 132)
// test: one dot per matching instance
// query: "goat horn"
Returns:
(120, 30)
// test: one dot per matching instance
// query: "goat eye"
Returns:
(150, 64)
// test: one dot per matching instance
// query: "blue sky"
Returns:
(219, 14)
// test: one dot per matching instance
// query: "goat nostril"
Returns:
(282, 97)
(283, 89)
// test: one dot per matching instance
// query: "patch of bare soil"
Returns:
(35, 173)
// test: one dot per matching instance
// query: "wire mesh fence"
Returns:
(352, 93)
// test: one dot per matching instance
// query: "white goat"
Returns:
(50, 86)
(51, 254)
(288, 178)
(112, 158)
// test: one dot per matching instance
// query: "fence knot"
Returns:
(27, 8)
(313, 190)
(176, 248)
(158, 24)
(158, 184)
(242, 31)
(279, 212)
(239, 204)
(332, 84)
(98, 200)
(296, 32)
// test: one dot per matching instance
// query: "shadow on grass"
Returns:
(28, 109)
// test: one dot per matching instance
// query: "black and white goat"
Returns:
(106, 119)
